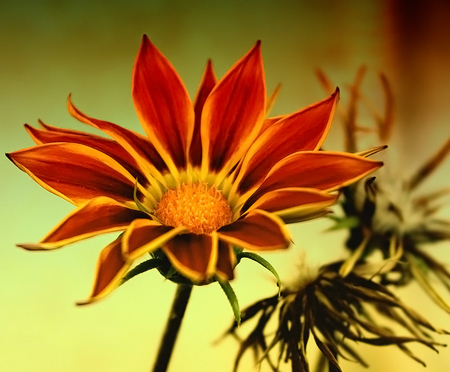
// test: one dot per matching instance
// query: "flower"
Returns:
(208, 175)
(389, 214)
(334, 310)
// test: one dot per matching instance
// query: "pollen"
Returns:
(196, 206)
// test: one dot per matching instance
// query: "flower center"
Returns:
(200, 208)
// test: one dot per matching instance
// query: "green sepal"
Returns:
(263, 262)
(232, 299)
(140, 206)
(172, 273)
(349, 222)
(150, 264)
(237, 251)
(167, 270)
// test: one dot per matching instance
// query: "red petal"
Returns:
(107, 146)
(99, 216)
(258, 230)
(226, 261)
(111, 267)
(272, 98)
(268, 122)
(137, 145)
(295, 204)
(52, 128)
(144, 236)
(233, 113)
(294, 197)
(208, 82)
(75, 172)
(194, 256)
(162, 104)
(302, 131)
(321, 170)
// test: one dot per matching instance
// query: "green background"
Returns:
(49, 49)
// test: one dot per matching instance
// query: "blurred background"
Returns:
(51, 48)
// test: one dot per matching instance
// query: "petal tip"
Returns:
(146, 43)
(209, 66)
(86, 302)
(69, 104)
(29, 246)
(254, 52)
(257, 48)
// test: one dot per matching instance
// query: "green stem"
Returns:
(172, 327)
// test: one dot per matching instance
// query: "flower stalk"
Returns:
(173, 325)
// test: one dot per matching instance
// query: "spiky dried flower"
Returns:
(387, 213)
(336, 311)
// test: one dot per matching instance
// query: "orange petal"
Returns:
(208, 82)
(139, 147)
(258, 230)
(226, 261)
(52, 128)
(194, 256)
(105, 145)
(272, 98)
(323, 170)
(294, 203)
(233, 114)
(75, 172)
(302, 131)
(268, 122)
(162, 105)
(98, 216)
(144, 236)
(111, 267)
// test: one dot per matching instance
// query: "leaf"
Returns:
(410, 354)
(354, 354)
(350, 262)
(232, 299)
(421, 278)
(325, 350)
(343, 222)
(153, 263)
(263, 262)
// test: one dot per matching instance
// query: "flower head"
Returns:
(209, 175)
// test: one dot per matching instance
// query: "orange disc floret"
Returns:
(195, 205)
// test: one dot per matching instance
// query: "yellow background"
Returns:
(51, 48)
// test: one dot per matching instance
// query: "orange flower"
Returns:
(208, 176)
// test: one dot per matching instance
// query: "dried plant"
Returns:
(337, 312)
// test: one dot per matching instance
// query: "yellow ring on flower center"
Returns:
(200, 208)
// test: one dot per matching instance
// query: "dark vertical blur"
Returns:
(418, 36)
